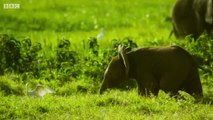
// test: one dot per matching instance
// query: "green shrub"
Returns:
(201, 49)
(19, 56)
(10, 53)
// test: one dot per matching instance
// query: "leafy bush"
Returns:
(18, 56)
(10, 53)
(30, 59)
(24, 57)
(66, 60)
(64, 54)
(201, 49)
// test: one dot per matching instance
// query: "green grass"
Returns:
(114, 105)
(147, 23)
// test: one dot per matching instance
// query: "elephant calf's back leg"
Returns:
(194, 88)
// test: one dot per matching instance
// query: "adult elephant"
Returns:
(192, 17)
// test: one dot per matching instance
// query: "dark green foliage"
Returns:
(18, 56)
(92, 63)
(30, 59)
(128, 42)
(10, 53)
(64, 54)
(23, 56)
(66, 61)
(202, 51)
(93, 45)
(96, 62)
(112, 51)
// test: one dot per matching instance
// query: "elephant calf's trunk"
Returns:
(103, 88)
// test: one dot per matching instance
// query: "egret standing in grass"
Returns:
(39, 91)
(100, 36)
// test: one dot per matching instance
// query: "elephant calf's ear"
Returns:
(122, 53)
(209, 12)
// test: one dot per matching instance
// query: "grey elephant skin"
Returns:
(192, 17)
(167, 68)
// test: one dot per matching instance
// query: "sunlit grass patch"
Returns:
(113, 105)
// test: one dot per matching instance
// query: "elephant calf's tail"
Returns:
(195, 87)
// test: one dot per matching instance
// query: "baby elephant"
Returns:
(167, 68)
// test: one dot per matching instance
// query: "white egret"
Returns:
(100, 36)
(39, 91)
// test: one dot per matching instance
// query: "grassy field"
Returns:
(75, 70)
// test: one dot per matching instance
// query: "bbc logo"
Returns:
(11, 6)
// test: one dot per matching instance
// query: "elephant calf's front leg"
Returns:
(143, 91)
(148, 91)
